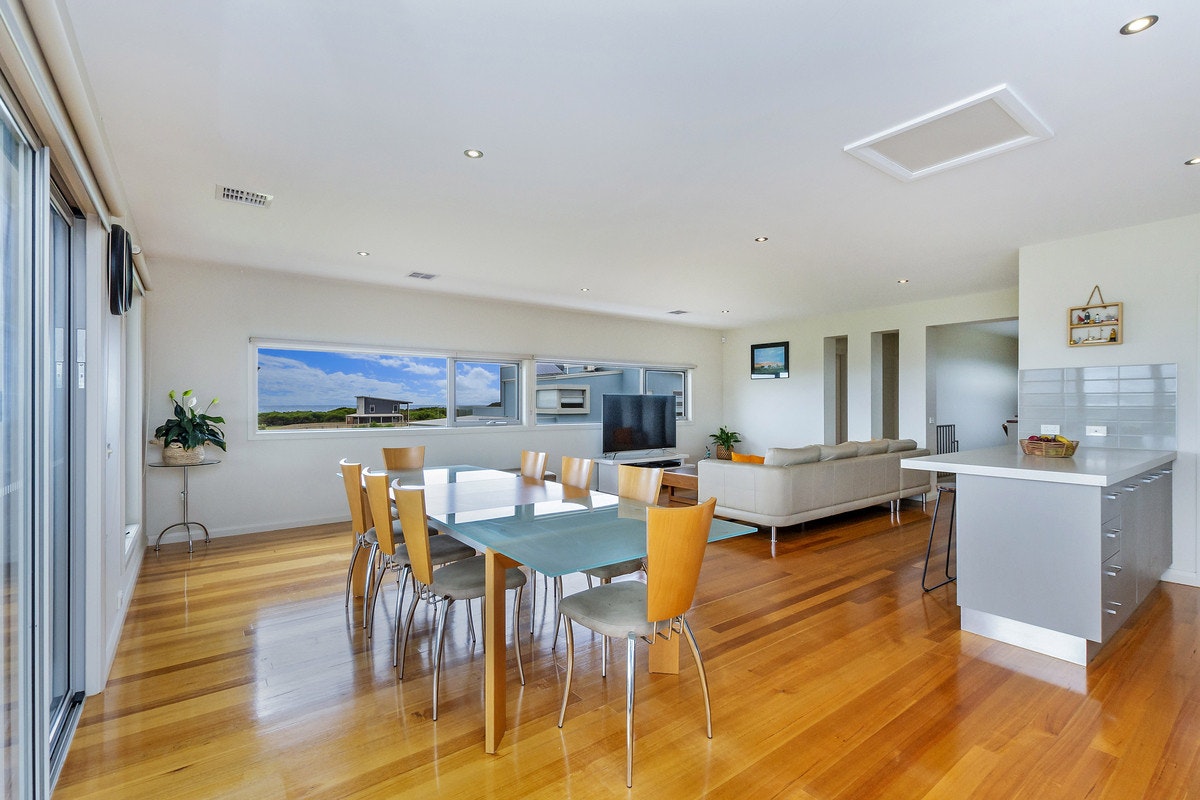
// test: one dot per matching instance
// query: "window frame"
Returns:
(451, 358)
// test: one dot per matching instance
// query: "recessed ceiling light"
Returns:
(363, 253)
(902, 280)
(1138, 25)
(585, 289)
(725, 311)
(761, 239)
(1191, 162)
(473, 153)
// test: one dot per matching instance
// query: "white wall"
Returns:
(199, 321)
(975, 374)
(789, 412)
(1152, 270)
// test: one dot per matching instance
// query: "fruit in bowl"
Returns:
(1045, 438)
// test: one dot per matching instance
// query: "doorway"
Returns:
(972, 382)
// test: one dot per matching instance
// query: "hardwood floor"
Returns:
(240, 675)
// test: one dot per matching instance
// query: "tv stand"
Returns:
(606, 468)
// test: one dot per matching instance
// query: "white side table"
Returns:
(186, 523)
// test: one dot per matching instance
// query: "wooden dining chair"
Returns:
(359, 514)
(462, 580)
(396, 458)
(533, 464)
(643, 484)
(576, 474)
(675, 543)
(388, 547)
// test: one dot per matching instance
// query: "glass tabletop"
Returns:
(553, 529)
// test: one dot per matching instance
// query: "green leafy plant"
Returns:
(188, 428)
(725, 438)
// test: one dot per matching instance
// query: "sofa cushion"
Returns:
(873, 447)
(786, 456)
(745, 458)
(899, 445)
(834, 452)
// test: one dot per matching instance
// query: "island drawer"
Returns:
(1110, 539)
(1110, 502)
(1118, 596)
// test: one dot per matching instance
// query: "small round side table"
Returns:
(186, 523)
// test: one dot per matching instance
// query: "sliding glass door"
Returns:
(17, 584)
(41, 421)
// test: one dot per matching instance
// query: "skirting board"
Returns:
(1031, 637)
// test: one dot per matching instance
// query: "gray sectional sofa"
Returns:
(795, 485)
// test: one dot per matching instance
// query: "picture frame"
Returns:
(1101, 323)
(769, 360)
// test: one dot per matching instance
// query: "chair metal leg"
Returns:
(358, 544)
(691, 640)
(558, 593)
(517, 632)
(376, 588)
(368, 579)
(437, 651)
(630, 670)
(471, 622)
(949, 541)
(408, 621)
(532, 597)
(402, 579)
(603, 656)
(562, 712)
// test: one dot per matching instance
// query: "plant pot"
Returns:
(176, 454)
(723, 453)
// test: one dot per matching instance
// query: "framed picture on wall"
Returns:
(769, 360)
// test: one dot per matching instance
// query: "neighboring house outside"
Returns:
(379, 411)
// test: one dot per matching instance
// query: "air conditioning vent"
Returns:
(677, 311)
(246, 198)
(424, 276)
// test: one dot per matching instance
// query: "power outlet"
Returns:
(1050, 430)
(1095, 430)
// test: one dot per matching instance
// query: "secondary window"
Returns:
(571, 392)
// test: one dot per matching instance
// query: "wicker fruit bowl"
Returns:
(1056, 449)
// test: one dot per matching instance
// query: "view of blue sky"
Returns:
(290, 380)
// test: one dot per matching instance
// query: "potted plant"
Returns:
(185, 433)
(725, 439)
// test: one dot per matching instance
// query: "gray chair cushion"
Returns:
(614, 609)
(444, 549)
(611, 571)
(786, 456)
(464, 580)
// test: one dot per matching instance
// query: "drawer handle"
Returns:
(1112, 496)
(1110, 611)
(1113, 534)
(1130, 488)
(1114, 572)
(1151, 479)
(1167, 471)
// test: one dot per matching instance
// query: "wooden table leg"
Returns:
(495, 684)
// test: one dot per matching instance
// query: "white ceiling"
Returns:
(632, 148)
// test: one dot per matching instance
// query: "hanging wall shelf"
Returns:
(1095, 323)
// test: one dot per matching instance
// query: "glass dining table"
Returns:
(551, 528)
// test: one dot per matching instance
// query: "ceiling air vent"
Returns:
(425, 276)
(677, 311)
(988, 123)
(244, 197)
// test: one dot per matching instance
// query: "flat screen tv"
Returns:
(638, 422)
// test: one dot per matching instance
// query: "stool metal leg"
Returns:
(949, 541)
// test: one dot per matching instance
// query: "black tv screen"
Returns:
(638, 422)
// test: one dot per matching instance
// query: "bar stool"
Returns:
(949, 540)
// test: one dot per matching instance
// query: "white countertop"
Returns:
(1090, 466)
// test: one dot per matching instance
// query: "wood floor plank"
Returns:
(241, 673)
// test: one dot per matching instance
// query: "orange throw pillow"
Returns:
(746, 458)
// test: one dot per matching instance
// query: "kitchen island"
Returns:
(1054, 554)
